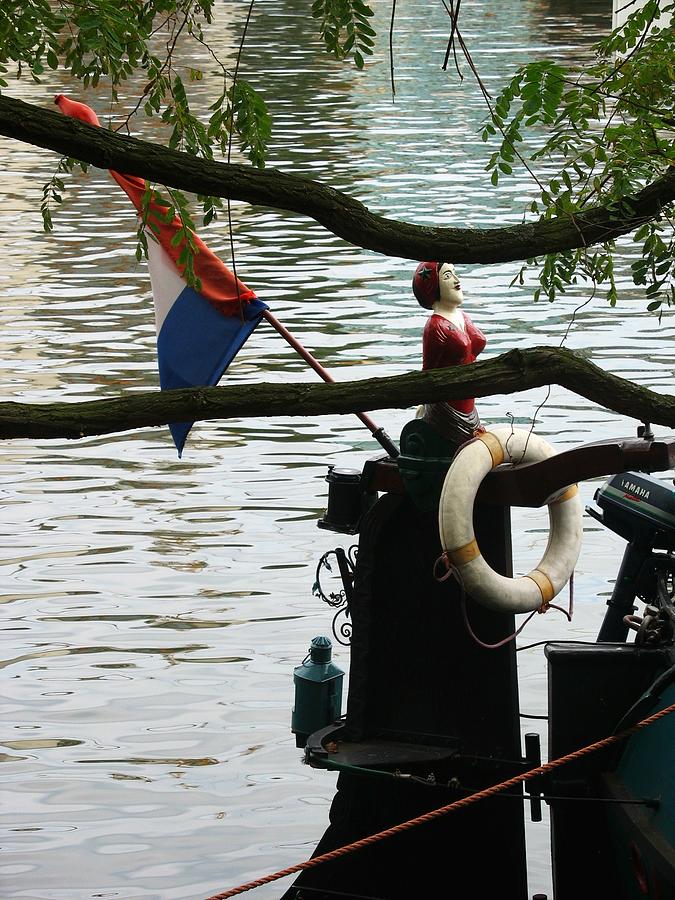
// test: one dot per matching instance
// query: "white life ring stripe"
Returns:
(455, 518)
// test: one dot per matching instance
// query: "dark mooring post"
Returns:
(427, 701)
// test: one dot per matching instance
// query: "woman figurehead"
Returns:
(450, 339)
(437, 284)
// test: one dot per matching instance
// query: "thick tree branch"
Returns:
(517, 370)
(336, 211)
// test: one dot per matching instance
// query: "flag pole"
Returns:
(378, 433)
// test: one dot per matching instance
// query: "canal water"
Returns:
(154, 607)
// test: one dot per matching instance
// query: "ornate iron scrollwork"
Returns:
(340, 600)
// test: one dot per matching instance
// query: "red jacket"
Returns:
(443, 345)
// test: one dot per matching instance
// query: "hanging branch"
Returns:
(391, 49)
(454, 32)
(233, 89)
(517, 370)
(335, 210)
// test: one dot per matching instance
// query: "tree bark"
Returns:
(517, 370)
(335, 210)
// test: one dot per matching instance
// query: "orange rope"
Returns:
(436, 813)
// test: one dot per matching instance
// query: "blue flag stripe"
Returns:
(197, 343)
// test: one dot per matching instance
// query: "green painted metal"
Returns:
(318, 691)
(648, 510)
(424, 462)
(646, 766)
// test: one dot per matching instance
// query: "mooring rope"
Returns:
(443, 810)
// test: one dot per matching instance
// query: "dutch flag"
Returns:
(198, 332)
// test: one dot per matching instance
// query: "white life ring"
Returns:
(455, 519)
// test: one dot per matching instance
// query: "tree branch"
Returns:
(335, 210)
(517, 370)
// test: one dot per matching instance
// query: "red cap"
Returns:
(425, 284)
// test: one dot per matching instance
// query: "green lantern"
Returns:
(318, 691)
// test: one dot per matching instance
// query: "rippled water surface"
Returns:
(154, 608)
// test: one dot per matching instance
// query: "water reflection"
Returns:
(115, 551)
(553, 19)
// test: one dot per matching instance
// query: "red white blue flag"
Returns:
(199, 332)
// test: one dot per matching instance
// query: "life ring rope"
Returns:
(460, 549)
(546, 605)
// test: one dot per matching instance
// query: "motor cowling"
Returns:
(639, 508)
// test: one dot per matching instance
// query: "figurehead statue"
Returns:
(450, 339)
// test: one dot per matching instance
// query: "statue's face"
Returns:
(450, 287)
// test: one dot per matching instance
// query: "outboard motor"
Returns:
(641, 509)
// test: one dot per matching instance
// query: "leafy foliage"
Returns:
(604, 131)
(608, 129)
(184, 237)
(102, 43)
(252, 120)
(345, 28)
(52, 192)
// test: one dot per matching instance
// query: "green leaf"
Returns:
(362, 8)
(252, 121)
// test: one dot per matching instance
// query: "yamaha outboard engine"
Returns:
(641, 509)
